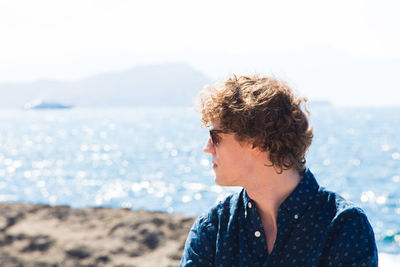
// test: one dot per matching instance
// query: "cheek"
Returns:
(232, 161)
(244, 161)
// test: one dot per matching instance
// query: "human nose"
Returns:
(209, 147)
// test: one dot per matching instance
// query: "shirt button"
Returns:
(249, 204)
(296, 216)
(257, 233)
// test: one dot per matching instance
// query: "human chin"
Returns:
(218, 179)
(222, 180)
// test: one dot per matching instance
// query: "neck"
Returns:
(268, 189)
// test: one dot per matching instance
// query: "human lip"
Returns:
(214, 165)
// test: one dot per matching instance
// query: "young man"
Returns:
(259, 135)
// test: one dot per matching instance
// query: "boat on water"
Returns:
(40, 104)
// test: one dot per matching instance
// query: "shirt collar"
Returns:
(246, 200)
(297, 202)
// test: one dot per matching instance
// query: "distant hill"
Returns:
(156, 85)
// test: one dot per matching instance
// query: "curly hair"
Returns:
(264, 112)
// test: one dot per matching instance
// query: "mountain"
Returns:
(155, 85)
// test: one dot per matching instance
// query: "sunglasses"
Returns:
(214, 135)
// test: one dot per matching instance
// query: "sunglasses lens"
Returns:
(215, 138)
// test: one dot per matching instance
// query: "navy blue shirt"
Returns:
(316, 227)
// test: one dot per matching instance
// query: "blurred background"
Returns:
(96, 97)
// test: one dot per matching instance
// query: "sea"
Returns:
(152, 158)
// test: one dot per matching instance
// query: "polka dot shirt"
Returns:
(316, 227)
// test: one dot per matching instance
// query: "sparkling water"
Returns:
(142, 158)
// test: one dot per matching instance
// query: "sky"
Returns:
(347, 52)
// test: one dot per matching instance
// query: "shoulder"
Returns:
(351, 220)
(344, 217)
(221, 212)
(201, 241)
(342, 208)
(337, 206)
(350, 237)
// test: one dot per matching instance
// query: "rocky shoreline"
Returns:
(42, 235)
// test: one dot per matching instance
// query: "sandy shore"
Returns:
(40, 235)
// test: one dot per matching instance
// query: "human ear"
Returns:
(254, 149)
